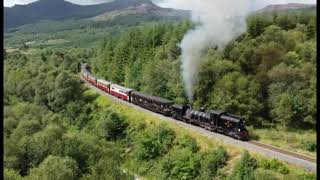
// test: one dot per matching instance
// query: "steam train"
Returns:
(216, 121)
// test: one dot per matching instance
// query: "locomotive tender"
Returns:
(216, 121)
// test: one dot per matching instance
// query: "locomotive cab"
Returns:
(242, 131)
(178, 111)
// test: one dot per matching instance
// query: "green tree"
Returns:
(212, 70)
(238, 94)
(211, 162)
(188, 143)
(153, 143)
(66, 88)
(311, 29)
(244, 169)
(256, 26)
(55, 167)
(110, 125)
(106, 168)
(181, 164)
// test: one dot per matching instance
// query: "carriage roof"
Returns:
(103, 81)
(154, 98)
(120, 87)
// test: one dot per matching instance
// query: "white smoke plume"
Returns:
(219, 23)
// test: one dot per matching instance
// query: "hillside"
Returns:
(59, 9)
(54, 127)
(285, 7)
(147, 9)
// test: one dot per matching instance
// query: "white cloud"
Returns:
(9, 3)
(178, 4)
(262, 3)
(256, 4)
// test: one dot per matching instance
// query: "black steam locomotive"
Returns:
(215, 121)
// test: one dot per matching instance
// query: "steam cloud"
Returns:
(220, 22)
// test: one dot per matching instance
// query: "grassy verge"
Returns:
(303, 142)
(134, 117)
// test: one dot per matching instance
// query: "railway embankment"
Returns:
(207, 139)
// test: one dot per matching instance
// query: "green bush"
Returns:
(308, 176)
(262, 174)
(274, 165)
(55, 167)
(244, 169)
(10, 174)
(110, 125)
(153, 143)
(212, 161)
(187, 142)
(107, 168)
(310, 145)
(181, 164)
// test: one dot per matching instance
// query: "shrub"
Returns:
(310, 145)
(262, 174)
(182, 164)
(252, 133)
(187, 142)
(153, 143)
(308, 176)
(55, 167)
(111, 125)
(107, 168)
(244, 169)
(212, 161)
(274, 165)
(10, 174)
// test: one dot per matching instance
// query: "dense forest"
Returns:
(55, 128)
(267, 75)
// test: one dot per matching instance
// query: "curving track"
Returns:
(283, 151)
(306, 162)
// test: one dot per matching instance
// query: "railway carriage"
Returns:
(85, 75)
(92, 79)
(216, 121)
(153, 103)
(84, 71)
(120, 92)
(104, 85)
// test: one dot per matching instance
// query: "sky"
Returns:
(166, 3)
(256, 4)
(9, 3)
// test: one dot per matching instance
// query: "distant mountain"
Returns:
(285, 7)
(59, 9)
(147, 9)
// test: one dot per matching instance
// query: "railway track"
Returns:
(309, 163)
(283, 151)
